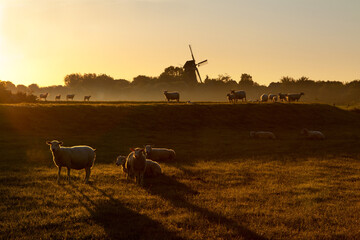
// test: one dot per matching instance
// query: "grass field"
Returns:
(223, 185)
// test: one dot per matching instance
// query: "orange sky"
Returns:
(41, 41)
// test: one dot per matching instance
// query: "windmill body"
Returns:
(191, 69)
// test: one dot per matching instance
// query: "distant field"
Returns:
(222, 186)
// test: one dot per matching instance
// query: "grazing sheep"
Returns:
(57, 97)
(282, 97)
(262, 135)
(231, 97)
(264, 98)
(239, 95)
(152, 168)
(159, 154)
(292, 97)
(87, 98)
(43, 96)
(136, 164)
(273, 97)
(76, 157)
(172, 96)
(70, 96)
(315, 135)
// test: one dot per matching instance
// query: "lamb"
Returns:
(152, 168)
(239, 95)
(315, 135)
(172, 96)
(57, 97)
(262, 135)
(231, 97)
(292, 97)
(159, 154)
(76, 157)
(136, 164)
(43, 96)
(273, 97)
(70, 96)
(264, 98)
(282, 96)
(87, 98)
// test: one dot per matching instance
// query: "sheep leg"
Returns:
(69, 175)
(58, 178)
(87, 171)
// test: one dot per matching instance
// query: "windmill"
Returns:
(191, 68)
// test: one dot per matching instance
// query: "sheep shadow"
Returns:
(170, 189)
(118, 221)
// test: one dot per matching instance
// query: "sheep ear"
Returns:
(48, 142)
(131, 149)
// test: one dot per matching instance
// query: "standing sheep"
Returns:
(43, 96)
(159, 154)
(76, 157)
(282, 97)
(70, 96)
(262, 135)
(314, 135)
(87, 98)
(136, 164)
(273, 97)
(172, 96)
(57, 97)
(152, 168)
(292, 97)
(264, 98)
(239, 95)
(231, 97)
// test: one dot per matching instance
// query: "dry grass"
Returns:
(222, 186)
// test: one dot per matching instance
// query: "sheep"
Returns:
(264, 98)
(172, 96)
(315, 135)
(239, 95)
(136, 164)
(159, 154)
(231, 97)
(282, 96)
(76, 157)
(57, 97)
(262, 135)
(291, 97)
(70, 96)
(87, 98)
(152, 168)
(43, 96)
(273, 97)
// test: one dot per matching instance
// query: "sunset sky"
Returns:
(41, 41)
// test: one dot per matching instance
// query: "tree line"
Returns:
(145, 88)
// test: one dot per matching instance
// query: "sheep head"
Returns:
(54, 145)
(120, 160)
(138, 152)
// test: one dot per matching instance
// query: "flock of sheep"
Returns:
(58, 97)
(139, 163)
(234, 96)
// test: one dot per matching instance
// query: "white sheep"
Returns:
(152, 168)
(315, 135)
(70, 96)
(273, 97)
(159, 154)
(262, 135)
(282, 96)
(87, 98)
(76, 157)
(172, 96)
(57, 97)
(292, 97)
(239, 95)
(44, 96)
(264, 98)
(136, 164)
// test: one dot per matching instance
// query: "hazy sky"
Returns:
(41, 41)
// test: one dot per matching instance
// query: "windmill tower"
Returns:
(191, 68)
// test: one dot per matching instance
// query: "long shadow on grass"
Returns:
(118, 221)
(175, 192)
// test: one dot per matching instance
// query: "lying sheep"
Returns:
(152, 168)
(264, 98)
(292, 97)
(315, 135)
(239, 95)
(262, 135)
(172, 96)
(159, 154)
(136, 165)
(76, 157)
